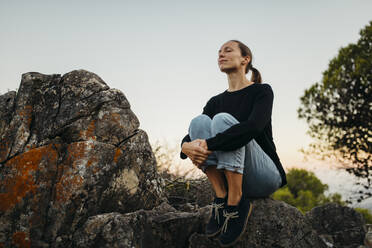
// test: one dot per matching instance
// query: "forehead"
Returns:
(230, 44)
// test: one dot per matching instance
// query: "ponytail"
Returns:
(256, 75)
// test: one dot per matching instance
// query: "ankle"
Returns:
(221, 194)
(234, 200)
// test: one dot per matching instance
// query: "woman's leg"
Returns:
(261, 177)
(231, 161)
(238, 209)
(234, 180)
(200, 128)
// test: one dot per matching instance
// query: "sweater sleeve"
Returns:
(240, 134)
(207, 110)
(185, 139)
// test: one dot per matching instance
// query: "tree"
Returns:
(305, 191)
(338, 111)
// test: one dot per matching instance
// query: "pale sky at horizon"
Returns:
(163, 55)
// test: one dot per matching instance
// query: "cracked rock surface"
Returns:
(70, 148)
(171, 228)
(339, 225)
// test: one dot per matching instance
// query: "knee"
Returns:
(201, 120)
(222, 117)
(223, 120)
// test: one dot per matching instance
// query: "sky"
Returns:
(163, 54)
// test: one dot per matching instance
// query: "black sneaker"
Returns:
(216, 220)
(236, 219)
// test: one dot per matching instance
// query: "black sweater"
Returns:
(252, 107)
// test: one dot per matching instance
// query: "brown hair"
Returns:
(245, 51)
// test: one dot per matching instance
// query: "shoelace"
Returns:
(215, 208)
(228, 216)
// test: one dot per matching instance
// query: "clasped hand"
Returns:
(197, 151)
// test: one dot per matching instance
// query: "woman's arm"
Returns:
(240, 134)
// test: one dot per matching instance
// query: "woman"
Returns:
(231, 141)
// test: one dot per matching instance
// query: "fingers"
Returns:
(201, 150)
(196, 142)
(199, 153)
(199, 157)
(198, 160)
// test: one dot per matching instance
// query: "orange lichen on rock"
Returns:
(114, 118)
(20, 183)
(21, 240)
(93, 160)
(4, 149)
(118, 152)
(68, 183)
(90, 131)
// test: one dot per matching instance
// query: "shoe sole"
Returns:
(212, 235)
(243, 231)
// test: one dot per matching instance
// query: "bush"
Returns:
(305, 191)
(366, 214)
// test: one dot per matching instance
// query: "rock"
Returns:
(342, 225)
(70, 148)
(271, 224)
(7, 103)
(368, 237)
(142, 228)
(165, 226)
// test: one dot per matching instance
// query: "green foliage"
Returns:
(366, 214)
(338, 110)
(305, 191)
(302, 180)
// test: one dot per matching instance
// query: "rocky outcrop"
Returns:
(76, 171)
(70, 148)
(171, 228)
(338, 225)
(271, 224)
(163, 226)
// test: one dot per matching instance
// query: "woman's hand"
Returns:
(196, 150)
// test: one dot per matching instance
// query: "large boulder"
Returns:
(272, 224)
(339, 226)
(70, 148)
(163, 226)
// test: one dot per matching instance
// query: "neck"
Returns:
(237, 81)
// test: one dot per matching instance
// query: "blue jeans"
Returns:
(260, 175)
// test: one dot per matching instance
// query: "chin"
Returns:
(226, 70)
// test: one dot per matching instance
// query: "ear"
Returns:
(246, 60)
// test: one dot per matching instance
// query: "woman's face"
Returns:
(230, 58)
